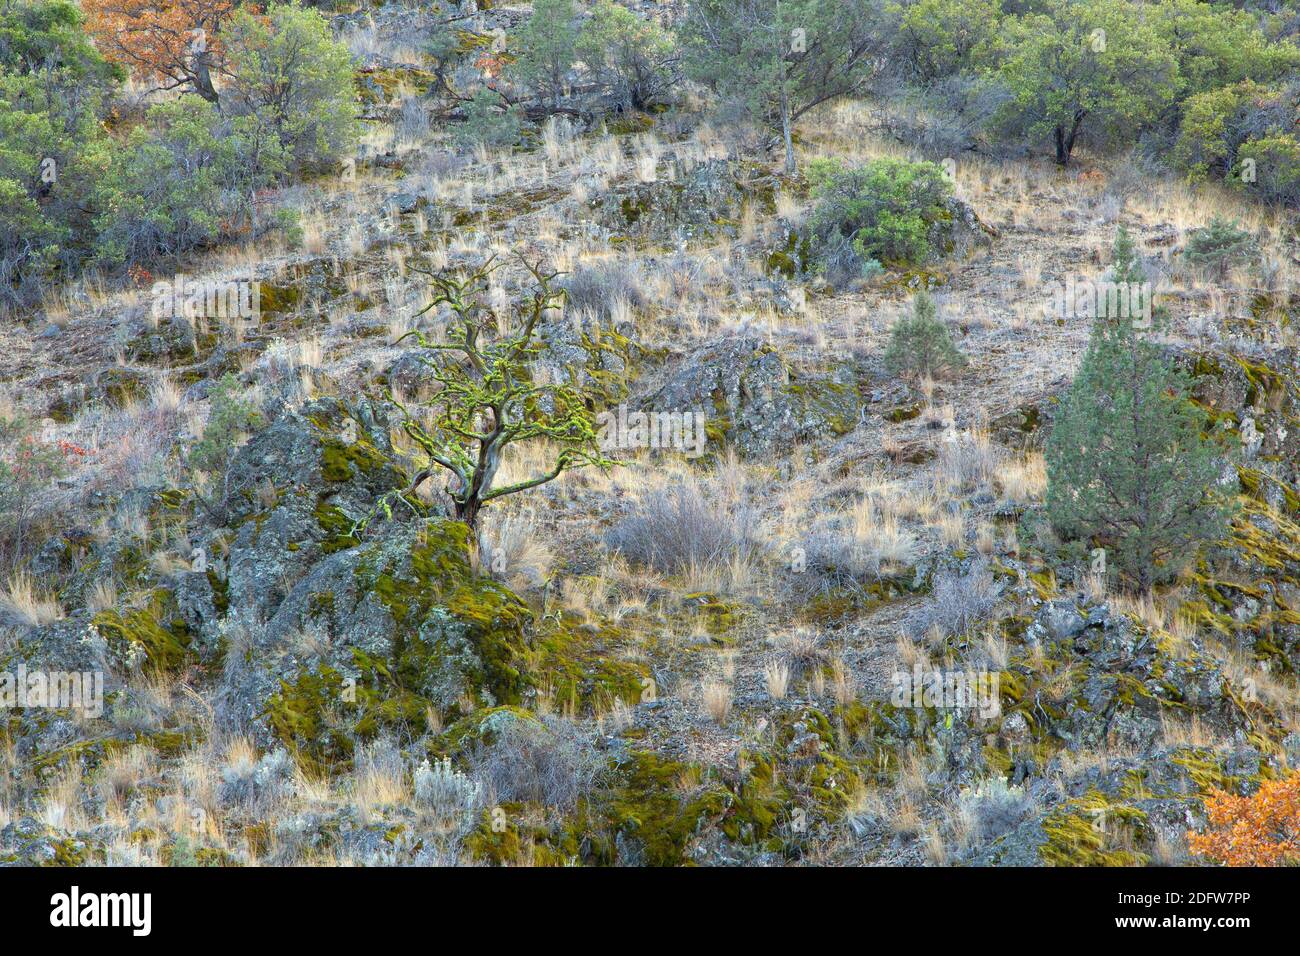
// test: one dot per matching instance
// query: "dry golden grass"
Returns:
(844, 683)
(715, 699)
(910, 653)
(102, 596)
(25, 604)
(1022, 479)
(951, 526)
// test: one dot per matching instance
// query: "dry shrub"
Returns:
(549, 761)
(684, 528)
(865, 541)
(513, 550)
(957, 603)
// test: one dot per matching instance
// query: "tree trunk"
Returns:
(1065, 141)
(467, 511)
(203, 79)
(787, 133)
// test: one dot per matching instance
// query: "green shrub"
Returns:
(488, 121)
(291, 76)
(184, 180)
(920, 344)
(1213, 128)
(53, 88)
(1217, 46)
(231, 416)
(1269, 166)
(1217, 247)
(939, 38)
(885, 211)
(547, 48)
(630, 57)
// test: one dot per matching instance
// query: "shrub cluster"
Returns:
(72, 192)
(883, 213)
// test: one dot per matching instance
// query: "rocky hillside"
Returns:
(730, 651)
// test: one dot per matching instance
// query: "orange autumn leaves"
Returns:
(1260, 830)
(175, 41)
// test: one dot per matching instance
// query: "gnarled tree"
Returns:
(489, 398)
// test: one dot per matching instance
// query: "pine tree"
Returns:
(920, 344)
(1126, 464)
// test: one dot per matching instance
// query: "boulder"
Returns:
(751, 397)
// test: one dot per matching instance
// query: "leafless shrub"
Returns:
(599, 288)
(862, 542)
(251, 784)
(1131, 175)
(412, 122)
(957, 603)
(683, 528)
(947, 117)
(549, 761)
(843, 262)
(452, 796)
(994, 808)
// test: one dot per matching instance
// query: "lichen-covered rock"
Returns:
(1125, 680)
(751, 397)
(960, 231)
(1121, 812)
(594, 359)
(376, 635)
(1257, 397)
(28, 842)
(73, 644)
(295, 491)
(1253, 596)
(688, 202)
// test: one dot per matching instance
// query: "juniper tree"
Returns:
(920, 344)
(782, 58)
(547, 43)
(1127, 466)
(489, 398)
(1218, 246)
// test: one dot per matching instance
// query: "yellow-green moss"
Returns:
(163, 637)
(1085, 832)
(579, 667)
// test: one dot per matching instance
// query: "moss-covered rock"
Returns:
(154, 634)
(415, 630)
